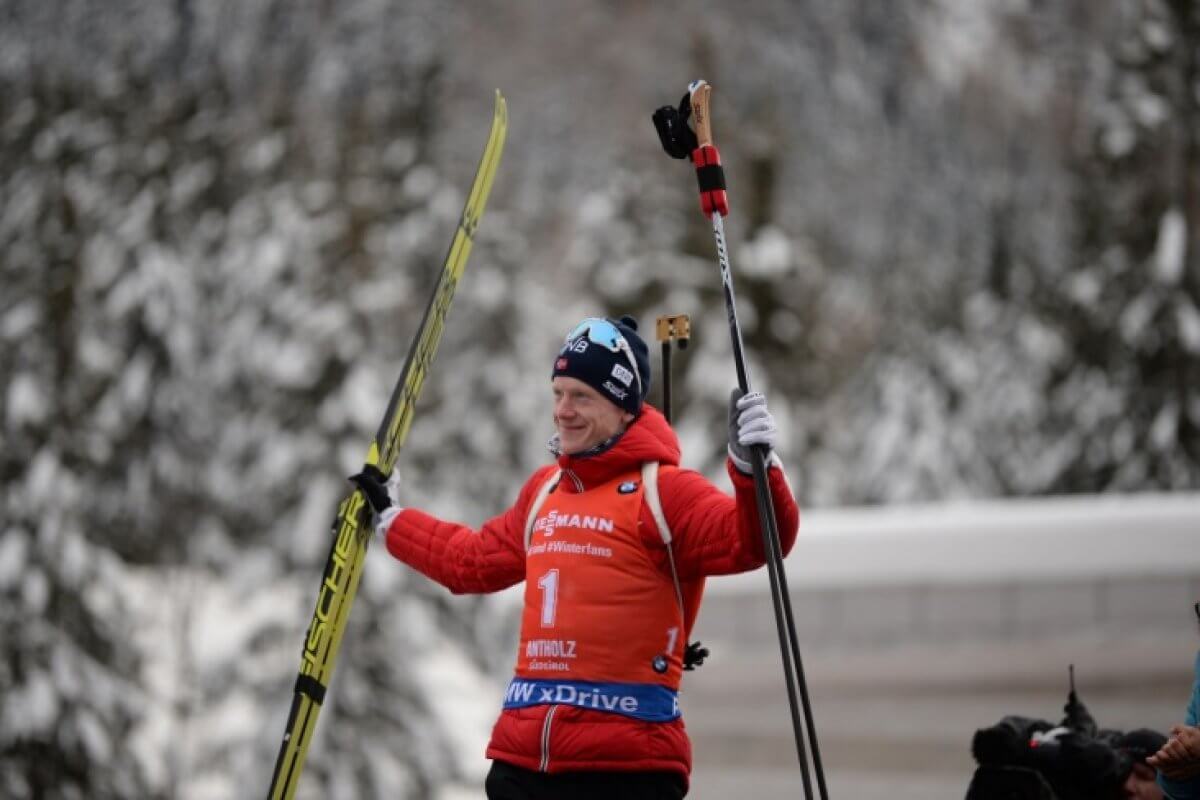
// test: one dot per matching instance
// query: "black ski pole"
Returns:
(679, 142)
(670, 329)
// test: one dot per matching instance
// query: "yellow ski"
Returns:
(351, 529)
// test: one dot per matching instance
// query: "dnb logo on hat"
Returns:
(560, 364)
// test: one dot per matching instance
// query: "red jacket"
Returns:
(713, 534)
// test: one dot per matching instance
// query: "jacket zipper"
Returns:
(574, 479)
(545, 763)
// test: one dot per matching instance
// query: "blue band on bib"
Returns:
(644, 701)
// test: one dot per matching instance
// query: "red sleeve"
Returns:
(715, 534)
(465, 560)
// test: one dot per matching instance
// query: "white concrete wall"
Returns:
(919, 625)
(996, 569)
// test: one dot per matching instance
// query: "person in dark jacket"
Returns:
(613, 576)
(1021, 758)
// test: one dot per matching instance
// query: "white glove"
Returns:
(384, 521)
(750, 423)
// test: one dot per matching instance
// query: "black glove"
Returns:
(373, 485)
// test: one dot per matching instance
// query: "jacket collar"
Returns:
(648, 438)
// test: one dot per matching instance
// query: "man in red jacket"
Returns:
(614, 542)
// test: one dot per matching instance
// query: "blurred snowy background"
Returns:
(967, 244)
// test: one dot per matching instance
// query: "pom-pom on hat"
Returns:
(610, 357)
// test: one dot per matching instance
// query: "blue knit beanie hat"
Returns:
(610, 357)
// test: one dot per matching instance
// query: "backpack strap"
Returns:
(650, 493)
(536, 505)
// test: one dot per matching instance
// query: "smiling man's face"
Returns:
(582, 416)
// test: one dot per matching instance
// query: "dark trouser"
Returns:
(506, 782)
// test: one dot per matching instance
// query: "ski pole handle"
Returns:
(709, 173)
(674, 328)
(699, 94)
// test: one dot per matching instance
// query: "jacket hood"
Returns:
(648, 438)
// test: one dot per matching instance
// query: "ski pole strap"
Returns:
(676, 137)
(710, 175)
(307, 684)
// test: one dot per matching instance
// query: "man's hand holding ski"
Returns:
(375, 487)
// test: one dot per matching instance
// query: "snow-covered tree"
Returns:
(1122, 400)
(224, 224)
(965, 244)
